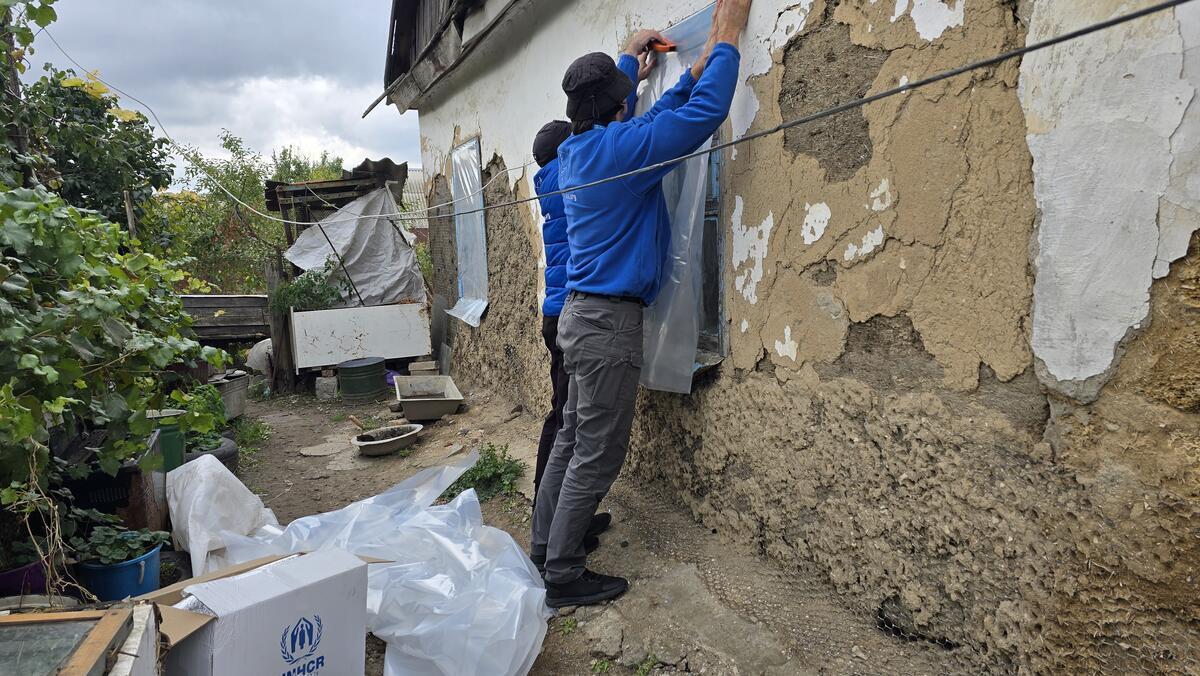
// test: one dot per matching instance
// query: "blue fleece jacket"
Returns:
(619, 233)
(554, 239)
(554, 229)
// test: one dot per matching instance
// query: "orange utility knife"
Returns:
(663, 45)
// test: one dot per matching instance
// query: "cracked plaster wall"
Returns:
(1114, 134)
(882, 413)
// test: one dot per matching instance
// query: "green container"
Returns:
(362, 381)
(170, 438)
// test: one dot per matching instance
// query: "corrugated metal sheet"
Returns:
(414, 200)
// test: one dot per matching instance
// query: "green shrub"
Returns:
(250, 433)
(496, 473)
(205, 417)
(317, 289)
(107, 545)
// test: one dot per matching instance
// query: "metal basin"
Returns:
(386, 440)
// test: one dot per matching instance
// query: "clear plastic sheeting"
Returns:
(672, 323)
(206, 503)
(455, 596)
(470, 233)
(376, 250)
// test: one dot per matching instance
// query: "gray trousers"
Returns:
(601, 340)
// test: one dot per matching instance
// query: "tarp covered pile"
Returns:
(374, 245)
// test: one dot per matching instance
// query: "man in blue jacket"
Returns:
(554, 241)
(618, 234)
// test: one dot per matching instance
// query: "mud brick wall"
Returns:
(964, 322)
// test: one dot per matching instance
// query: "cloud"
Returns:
(274, 73)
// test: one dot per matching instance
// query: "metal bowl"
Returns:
(386, 440)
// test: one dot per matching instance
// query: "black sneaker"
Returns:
(588, 589)
(600, 523)
(590, 544)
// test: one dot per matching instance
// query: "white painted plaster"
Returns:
(903, 80)
(1179, 211)
(778, 20)
(816, 219)
(869, 243)
(787, 347)
(881, 196)
(510, 85)
(749, 245)
(1114, 155)
(745, 326)
(931, 17)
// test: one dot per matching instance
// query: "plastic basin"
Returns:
(28, 579)
(386, 440)
(121, 580)
(427, 397)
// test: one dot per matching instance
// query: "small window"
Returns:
(712, 345)
(470, 234)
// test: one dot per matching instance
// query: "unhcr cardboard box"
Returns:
(297, 615)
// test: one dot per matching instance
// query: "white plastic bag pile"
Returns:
(206, 500)
(457, 597)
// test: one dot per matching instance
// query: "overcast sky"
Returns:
(275, 72)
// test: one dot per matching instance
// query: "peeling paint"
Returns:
(788, 347)
(1085, 305)
(757, 57)
(816, 219)
(882, 196)
(869, 242)
(931, 17)
(749, 244)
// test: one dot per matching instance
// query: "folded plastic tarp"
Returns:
(457, 597)
(375, 247)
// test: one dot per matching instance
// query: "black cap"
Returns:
(594, 87)
(545, 144)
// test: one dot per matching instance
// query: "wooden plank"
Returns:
(38, 618)
(328, 337)
(230, 317)
(219, 301)
(283, 376)
(91, 657)
(318, 186)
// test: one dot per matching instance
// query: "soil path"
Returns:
(697, 603)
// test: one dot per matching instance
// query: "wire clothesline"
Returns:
(788, 124)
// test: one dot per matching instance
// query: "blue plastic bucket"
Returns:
(121, 580)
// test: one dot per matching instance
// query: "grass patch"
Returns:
(250, 434)
(568, 626)
(647, 665)
(338, 417)
(601, 666)
(496, 473)
(373, 422)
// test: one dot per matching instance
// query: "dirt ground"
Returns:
(696, 602)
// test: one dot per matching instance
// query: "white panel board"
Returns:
(328, 337)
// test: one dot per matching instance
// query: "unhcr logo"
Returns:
(298, 643)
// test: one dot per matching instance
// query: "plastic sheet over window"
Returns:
(672, 323)
(470, 233)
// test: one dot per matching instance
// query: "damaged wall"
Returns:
(916, 291)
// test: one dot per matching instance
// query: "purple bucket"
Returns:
(28, 579)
